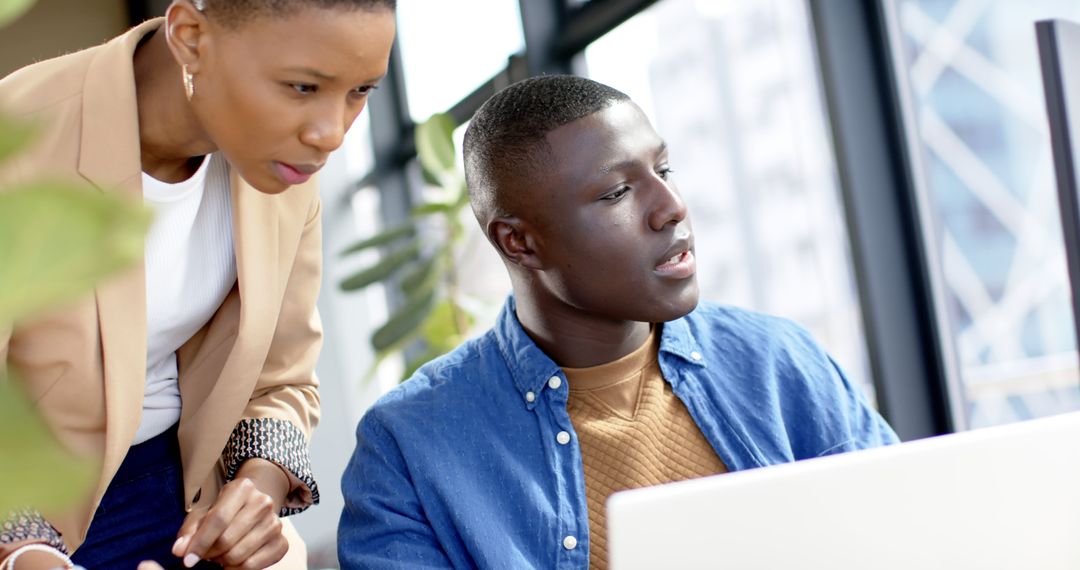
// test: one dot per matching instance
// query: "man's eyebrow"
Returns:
(608, 168)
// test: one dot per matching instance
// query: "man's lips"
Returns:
(678, 262)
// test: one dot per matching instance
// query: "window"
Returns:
(448, 48)
(734, 89)
(969, 76)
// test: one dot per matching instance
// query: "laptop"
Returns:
(992, 499)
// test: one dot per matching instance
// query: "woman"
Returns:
(216, 116)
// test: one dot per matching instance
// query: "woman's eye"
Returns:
(364, 89)
(303, 88)
(664, 172)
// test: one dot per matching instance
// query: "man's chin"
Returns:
(686, 309)
(674, 308)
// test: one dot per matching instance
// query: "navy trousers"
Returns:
(141, 512)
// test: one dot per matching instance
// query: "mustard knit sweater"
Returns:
(633, 432)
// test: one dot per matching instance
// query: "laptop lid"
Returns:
(996, 498)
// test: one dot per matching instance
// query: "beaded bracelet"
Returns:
(9, 564)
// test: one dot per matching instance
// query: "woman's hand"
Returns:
(241, 529)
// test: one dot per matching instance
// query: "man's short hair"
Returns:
(232, 13)
(507, 135)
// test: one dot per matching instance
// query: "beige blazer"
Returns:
(84, 365)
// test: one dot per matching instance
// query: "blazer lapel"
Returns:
(110, 159)
(256, 240)
(214, 399)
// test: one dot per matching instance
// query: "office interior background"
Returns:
(877, 170)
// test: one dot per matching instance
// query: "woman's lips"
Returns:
(294, 174)
(679, 266)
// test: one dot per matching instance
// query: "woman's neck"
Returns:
(170, 135)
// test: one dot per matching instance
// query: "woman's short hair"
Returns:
(233, 12)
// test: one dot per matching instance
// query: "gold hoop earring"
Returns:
(189, 82)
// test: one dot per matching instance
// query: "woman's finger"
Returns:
(188, 528)
(262, 547)
(250, 524)
(232, 499)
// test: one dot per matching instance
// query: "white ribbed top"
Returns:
(190, 268)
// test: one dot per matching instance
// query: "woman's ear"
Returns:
(516, 241)
(185, 31)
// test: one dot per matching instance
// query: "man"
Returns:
(603, 373)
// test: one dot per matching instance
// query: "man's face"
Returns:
(613, 232)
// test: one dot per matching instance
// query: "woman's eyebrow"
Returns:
(312, 72)
(326, 76)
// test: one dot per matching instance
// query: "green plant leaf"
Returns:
(14, 135)
(413, 365)
(37, 471)
(439, 330)
(386, 267)
(435, 145)
(406, 320)
(12, 9)
(429, 178)
(419, 274)
(382, 238)
(440, 336)
(462, 194)
(57, 240)
(432, 208)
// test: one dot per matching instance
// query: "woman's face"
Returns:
(276, 94)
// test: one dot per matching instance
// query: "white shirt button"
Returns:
(695, 355)
(554, 382)
(562, 437)
(569, 543)
(530, 397)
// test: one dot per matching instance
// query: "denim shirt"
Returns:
(464, 466)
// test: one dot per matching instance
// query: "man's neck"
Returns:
(578, 340)
(169, 133)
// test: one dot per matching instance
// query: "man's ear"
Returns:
(186, 30)
(516, 241)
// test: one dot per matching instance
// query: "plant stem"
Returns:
(454, 231)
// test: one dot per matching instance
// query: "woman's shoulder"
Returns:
(45, 85)
(48, 96)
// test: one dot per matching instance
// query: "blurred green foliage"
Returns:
(57, 240)
(426, 271)
(12, 9)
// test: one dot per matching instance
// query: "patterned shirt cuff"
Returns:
(280, 442)
(28, 524)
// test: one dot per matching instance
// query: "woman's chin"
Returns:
(266, 184)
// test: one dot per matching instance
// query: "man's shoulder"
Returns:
(713, 322)
(447, 380)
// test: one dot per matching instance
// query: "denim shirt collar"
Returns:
(678, 340)
(531, 368)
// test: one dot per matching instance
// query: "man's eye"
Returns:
(303, 88)
(364, 89)
(616, 194)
